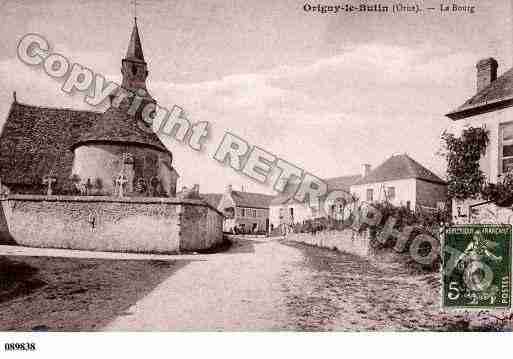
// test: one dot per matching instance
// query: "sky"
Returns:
(326, 92)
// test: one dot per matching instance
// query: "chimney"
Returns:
(366, 169)
(486, 72)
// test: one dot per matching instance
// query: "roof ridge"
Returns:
(258, 193)
(424, 168)
(410, 162)
(54, 108)
(403, 167)
(345, 176)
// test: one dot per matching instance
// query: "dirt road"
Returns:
(269, 285)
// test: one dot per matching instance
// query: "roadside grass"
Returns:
(73, 294)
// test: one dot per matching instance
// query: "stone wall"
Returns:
(157, 225)
(347, 241)
(202, 227)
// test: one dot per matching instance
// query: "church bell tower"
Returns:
(133, 67)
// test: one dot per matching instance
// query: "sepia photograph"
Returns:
(255, 166)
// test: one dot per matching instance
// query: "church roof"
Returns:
(36, 141)
(116, 125)
(400, 167)
(135, 51)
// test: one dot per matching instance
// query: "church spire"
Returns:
(133, 67)
(135, 51)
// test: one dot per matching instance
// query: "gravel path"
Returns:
(271, 285)
(236, 290)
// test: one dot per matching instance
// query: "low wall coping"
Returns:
(106, 199)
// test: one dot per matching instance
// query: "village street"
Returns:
(271, 285)
(257, 284)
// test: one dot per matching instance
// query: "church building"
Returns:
(63, 151)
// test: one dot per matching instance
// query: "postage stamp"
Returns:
(477, 267)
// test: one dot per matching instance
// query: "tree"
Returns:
(465, 178)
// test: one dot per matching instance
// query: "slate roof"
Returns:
(342, 183)
(497, 94)
(115, 125)
(251, 200)
(400, 167)
(36, 141)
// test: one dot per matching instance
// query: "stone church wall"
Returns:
(151, 225)
(105, 161)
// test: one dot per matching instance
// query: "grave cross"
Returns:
(120, 181)
(49, 181)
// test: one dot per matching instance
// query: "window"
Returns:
(291, 211)
(242, 212)
(506, 147)
(370, 194)
(391, 193)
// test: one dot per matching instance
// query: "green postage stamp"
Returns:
(477, 266)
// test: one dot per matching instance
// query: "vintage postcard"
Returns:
(255, 166)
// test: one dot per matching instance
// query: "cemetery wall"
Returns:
(154, 225)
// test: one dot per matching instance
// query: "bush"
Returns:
(500, 193)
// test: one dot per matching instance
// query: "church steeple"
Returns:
(135, 51)
(133, 66)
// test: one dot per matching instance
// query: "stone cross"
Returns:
(49, 181)
(120, 181)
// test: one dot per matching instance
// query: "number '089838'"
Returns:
(20, 346)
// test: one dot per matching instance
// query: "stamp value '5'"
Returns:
(477, 267)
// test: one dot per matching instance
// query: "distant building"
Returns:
(286, 211)
(246, 211)
(401, 181)
(491, 107)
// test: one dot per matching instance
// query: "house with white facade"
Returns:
(490, 107)
(285, 210)
(402, 181)
(245, 212)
